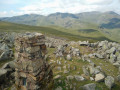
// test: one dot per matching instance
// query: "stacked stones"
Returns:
(32, 70)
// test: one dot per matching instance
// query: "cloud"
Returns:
(45, 7)
(98, 2)
(3, 13)
(8, 2)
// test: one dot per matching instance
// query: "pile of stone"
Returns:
(108, 50)
(94, 71)
(96, 74)
(74, 51)
(32, 72)
(54, 42)
(62, 51)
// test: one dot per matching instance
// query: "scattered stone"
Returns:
(99, 77)
(109, 82)
(66, 71)
(94, 70)
(70, 77)
(85, 71)
(59, 88)
(90, 86)
(79, 78)
(74, 67)
(116, 64)
(57, 77)
(69, 57)
(91, 78)
(59, 68)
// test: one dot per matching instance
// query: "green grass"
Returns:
(55, 31)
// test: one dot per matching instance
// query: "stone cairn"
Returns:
(32, 70)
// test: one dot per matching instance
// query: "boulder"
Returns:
(91, 78)
(116, 64)
(5, 66)
(118, 57)
(59, 68)
(85, 71)
(93, 70)
(113, 58)
(118, 78)
(112, 50)
(99, 56)
(66, 71)
(90, 86)
(79, 78)
(70, 77)
(99, 77)
(69, 57)
(83, 43)
(109, 81)
(3, 72)
(57, 77)
(4, 47)
(59, 88)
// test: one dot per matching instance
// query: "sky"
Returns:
(10, 8)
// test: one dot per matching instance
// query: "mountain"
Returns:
(67, 20)
(108, 23)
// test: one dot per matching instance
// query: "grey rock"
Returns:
(66, 71)
(59, 88)
(90, 86)
(79, 78)
(116, 64)
(59, 68)
(85, 71)
(69, 57)
(113, 58)
(109, 81)
(83, 43)
(3, 72)
(94, 70)
(70, 77)
(112, 50)
(118, 78)
(91, 78)
(99, 56)
(5, 66)
(57, 77)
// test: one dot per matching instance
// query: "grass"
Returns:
(52, 31)
(107, 67)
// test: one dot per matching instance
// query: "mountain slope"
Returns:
(55, 31)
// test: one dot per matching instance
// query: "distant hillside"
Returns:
(69, 34)
(68, 20)
(107, 23)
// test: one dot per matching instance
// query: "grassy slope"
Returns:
(57, 31)
(114, 34)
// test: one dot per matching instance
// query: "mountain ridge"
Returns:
(66, 20)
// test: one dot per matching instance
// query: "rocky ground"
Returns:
(76, 65)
